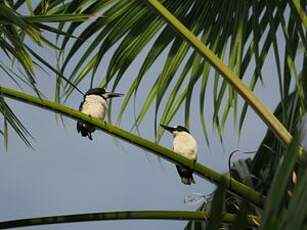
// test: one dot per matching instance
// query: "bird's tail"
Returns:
(188, 180)
(186, 175)
(85, 129)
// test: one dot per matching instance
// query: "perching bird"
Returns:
(94, 104)
(185, 145)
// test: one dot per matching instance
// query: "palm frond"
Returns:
(278, 172)
(11, 119)
(15, 28)
(132, 28)
(276, 200)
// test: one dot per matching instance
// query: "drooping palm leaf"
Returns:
(233, 30)
(276, 201)
(15, 27)
(11, 119)
(297, 213)
(265, 168)
(131, 26)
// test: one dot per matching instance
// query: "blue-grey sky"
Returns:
(68, 174)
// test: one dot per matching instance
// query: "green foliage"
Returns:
(276, 202)
(15, 28)
(132, 27)
(220, 26)
(10, 118)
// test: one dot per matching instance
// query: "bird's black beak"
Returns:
(170, 129)
(115, 94)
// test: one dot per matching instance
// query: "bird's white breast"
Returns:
(185, 145)
(95, 106)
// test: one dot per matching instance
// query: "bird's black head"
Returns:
(181, 128)
(96, 91)
(102, 92)
(178, 128)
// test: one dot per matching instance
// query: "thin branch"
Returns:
(259, 107)
(123, 215)
(203, 171)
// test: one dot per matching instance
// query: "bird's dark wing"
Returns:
(79, 126)
(184, 172)
(80, 123)
(81, 105)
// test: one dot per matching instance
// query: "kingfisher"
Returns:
(185, 145)
(95, 104)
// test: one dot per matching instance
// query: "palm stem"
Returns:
(123, 215)
(259, 107)
(203, 171)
